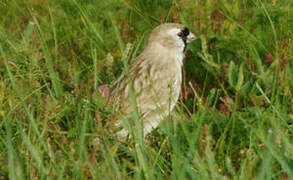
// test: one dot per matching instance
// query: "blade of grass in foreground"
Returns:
(49, 61)
(10, 152)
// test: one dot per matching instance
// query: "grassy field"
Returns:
(234, 119)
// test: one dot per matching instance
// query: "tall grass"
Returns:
(233, 122)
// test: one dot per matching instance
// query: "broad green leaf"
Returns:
(240, 78)
(231, 73)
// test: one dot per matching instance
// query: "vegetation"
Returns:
(234, 119)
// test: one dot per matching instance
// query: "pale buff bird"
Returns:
(155, 76)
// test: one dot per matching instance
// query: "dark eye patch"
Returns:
(183, 34)
(185, 31)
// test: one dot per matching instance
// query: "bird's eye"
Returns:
(184, 32)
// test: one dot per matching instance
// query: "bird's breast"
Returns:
(176, 88)
(170, 72)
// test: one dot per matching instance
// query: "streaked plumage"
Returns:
(155, 76)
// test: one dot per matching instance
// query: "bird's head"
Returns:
(172, 35)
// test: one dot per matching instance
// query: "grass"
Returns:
(233, 122)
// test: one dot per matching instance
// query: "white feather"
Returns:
(179, 52)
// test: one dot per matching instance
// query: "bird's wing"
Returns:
(120, 89)
(149, 82)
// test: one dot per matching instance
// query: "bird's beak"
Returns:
(191, 37)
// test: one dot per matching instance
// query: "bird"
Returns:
(153, 80)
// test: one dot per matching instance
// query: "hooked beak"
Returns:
(191, 37)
